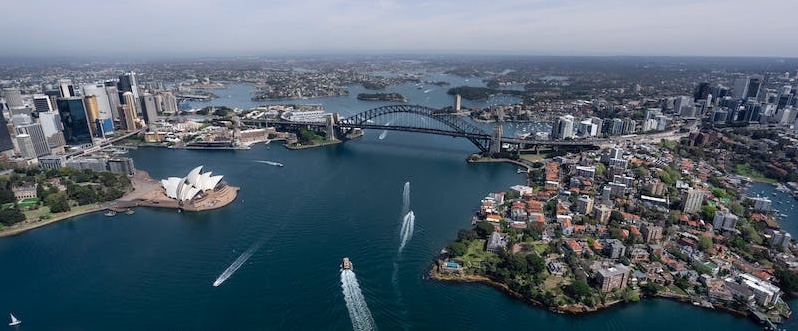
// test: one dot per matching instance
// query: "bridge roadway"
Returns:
(471, 136)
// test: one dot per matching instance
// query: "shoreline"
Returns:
(28, 225)
(573, 310)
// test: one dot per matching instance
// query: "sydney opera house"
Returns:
(195, 186)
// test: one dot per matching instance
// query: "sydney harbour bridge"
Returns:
(414, 118)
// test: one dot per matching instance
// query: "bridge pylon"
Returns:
(331, 121)
(496, 140)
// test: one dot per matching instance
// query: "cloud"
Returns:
(570, 27)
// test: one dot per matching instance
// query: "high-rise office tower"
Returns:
(66, 89)
(148, 108)
(38, 139)
(21, 119)
(127, 83)
(51, 123)
(75, 121)
(103, 124)
(127, 117)
(129, 99)
(748, 87)
(26, 146)
(113, 99)
(168, 102)
(13, 98)
(5, 136)
(42, 103)
(701, 91)
(92, 114)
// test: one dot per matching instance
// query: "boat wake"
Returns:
(384, 132)
(406, 198)
(271, 163)
(355, 302)
(408, 223)
(408, 218)
(236, 264)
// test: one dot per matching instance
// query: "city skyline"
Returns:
(204, 28)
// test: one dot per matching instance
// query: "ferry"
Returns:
(346, 265)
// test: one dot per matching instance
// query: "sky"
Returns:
(516, 27)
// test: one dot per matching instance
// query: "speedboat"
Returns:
(14, 321)
(346, 265)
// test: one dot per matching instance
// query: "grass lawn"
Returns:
(476, 254)
(552, 282)
(540, 247)
(533, 157)
(676, 289)
(36, 214)
(44, 211)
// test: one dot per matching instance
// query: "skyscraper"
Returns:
(127, 83)
(38, 139)
(113, 99)
(148, 108)
(168, 102)
(21, 119)
(76, 123)
(92, 114)
(701, 91)
(127, 117)
(747, 88)
(52, 127)
(26, 146)
(42, 103)
(13, 98)
(5, 137)
(563, 128)
(103, 123)
(66, 89)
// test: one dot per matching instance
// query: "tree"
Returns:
(708, 212)
(579, 289)
(13, 215)
(464, 235)
(705, 242)
(788, 280)
(6, 196)
(484, 229)
(457, 248)
(58, 202)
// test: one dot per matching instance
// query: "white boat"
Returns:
(14, 321)
(272, 163)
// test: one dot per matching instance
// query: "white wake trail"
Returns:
(384, 132)
(408, 223)
(406, 199)
(236, 264)
(355, 302)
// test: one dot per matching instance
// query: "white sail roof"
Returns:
(186, 188)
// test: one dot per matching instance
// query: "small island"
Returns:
(394, 97)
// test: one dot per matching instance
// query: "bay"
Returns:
(155, 269)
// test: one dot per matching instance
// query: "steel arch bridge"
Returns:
(451, 125)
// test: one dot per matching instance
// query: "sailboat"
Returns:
(14, 321)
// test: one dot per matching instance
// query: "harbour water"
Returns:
(155, 269)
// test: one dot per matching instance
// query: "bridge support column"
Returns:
(496, 140)
(330, 120)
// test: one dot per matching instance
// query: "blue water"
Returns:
(155, 269)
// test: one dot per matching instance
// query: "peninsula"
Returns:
(590, 230)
